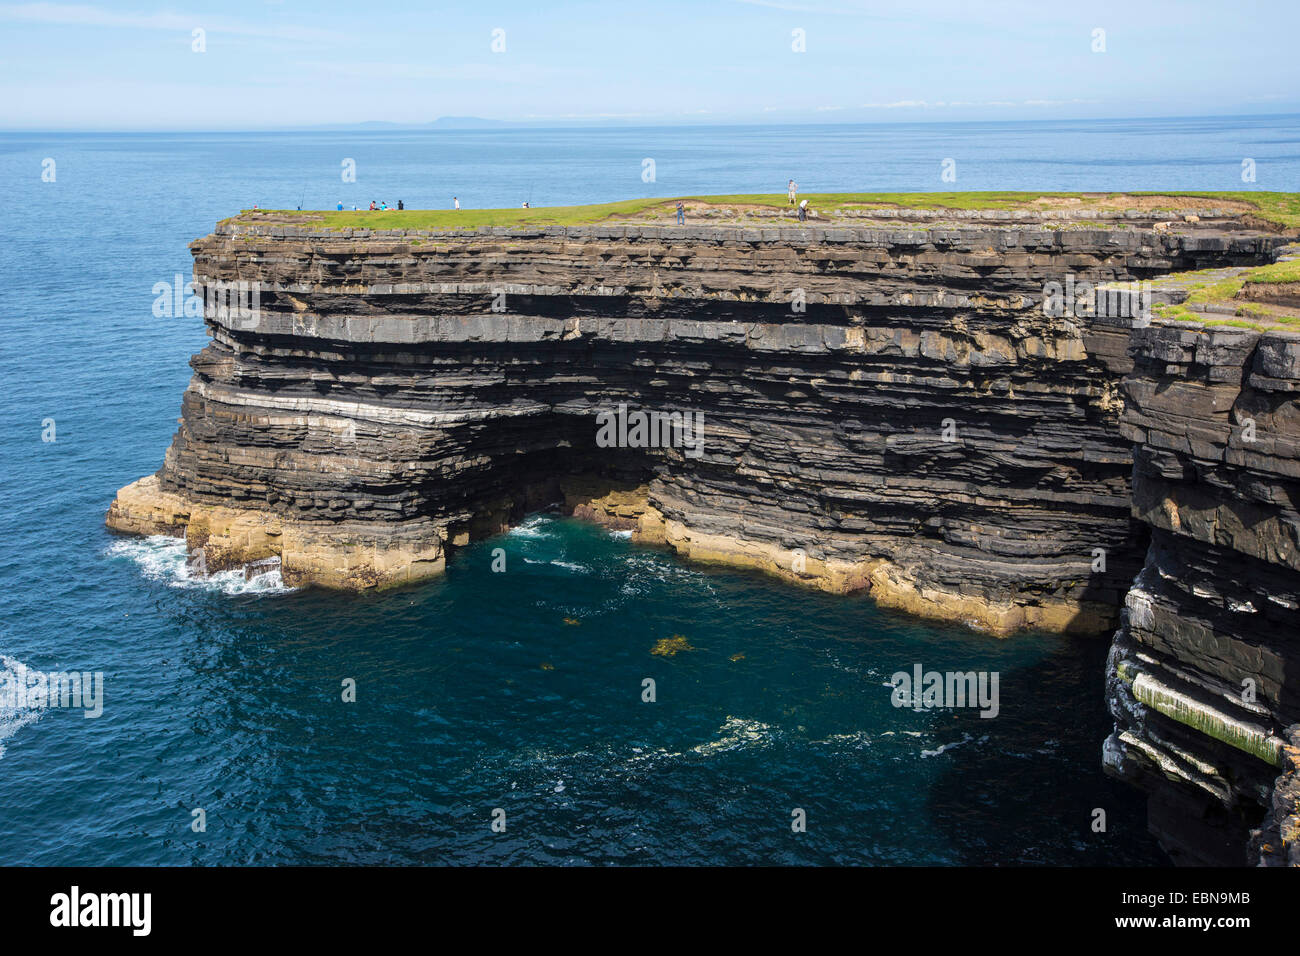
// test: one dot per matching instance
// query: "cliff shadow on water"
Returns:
(521, 685)
(1042, 779)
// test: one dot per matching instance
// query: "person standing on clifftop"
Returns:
(400, 205)
(791, 189)
(803, 210)
(340, 209)
(681, 214)
(456, 201)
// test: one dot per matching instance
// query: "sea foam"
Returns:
(161, 558)
(14, 716)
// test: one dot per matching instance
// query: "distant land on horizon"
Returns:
(484, 123)
(480, 122)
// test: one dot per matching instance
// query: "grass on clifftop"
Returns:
(1254, 317)
(471, 218)
(1282, 209)
(1211, 288)
(1286, 271)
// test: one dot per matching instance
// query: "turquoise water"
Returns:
(473, 693)
(522, 691)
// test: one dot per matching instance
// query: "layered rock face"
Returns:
(882, 408)
(1202, 678)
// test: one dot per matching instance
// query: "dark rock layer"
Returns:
(1202, 682)
(883, 409)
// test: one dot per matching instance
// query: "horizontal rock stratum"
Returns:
(1202, 675)
(882, 408)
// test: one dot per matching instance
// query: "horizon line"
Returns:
(516, 125)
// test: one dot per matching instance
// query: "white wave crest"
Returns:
(570, 566)
(856, 740)
(536, 526)
(161, 558)
(15, 712)
(965, 739)
(737, 733)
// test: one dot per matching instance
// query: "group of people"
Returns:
(374, 207)
(792, 193)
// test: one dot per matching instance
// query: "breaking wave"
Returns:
(161, 558)
(14, 716)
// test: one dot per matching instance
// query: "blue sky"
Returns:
(130, 65)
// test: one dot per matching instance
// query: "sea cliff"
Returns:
(885, 408)
(1202, 680)
(886, 404)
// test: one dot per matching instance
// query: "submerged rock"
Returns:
(671, 646)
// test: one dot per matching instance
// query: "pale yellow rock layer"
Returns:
(888, 584)
(354, 558)
(333, 556)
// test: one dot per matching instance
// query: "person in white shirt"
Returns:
(791, 190)
(803, 210)
(456, 200)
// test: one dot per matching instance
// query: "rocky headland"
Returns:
(887, 406)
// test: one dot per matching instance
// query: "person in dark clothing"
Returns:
(400, 205)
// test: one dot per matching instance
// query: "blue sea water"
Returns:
(519, 691)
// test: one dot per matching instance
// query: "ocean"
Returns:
(510, 698)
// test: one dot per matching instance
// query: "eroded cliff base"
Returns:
(366, 555)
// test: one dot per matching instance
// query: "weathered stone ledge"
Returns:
(1200, 678)
(998, 236)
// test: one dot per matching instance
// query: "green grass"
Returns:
(1250, 318)
(1250, 315)
(1288, 271)
(434, 219)
(1220, 291)
(937, 200)
(1282, 209)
